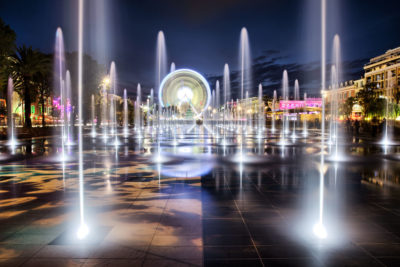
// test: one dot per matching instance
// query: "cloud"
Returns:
(268, 68)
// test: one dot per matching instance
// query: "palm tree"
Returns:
(41, 81)
(25, 64)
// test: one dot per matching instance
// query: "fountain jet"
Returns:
(68, 109)
(59, 83)
(273, 129)
(245, 63)
(83, 230)
(10, 115)
(93, 117)
(319, 228)
(285, 97)
(125, 114)
(172, 69)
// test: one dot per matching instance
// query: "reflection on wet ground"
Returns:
(200, 202)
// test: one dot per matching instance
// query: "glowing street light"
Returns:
(106, 81)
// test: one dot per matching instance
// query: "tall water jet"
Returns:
(245, 63)
(335, 80)
(93, 117)
(113, 104)
(305, 130)
(172, 69)
(246, 110)
(137, 109)
(227, 84)
(387, 138)
(161, 65)
(217, 95)
(296, 97)
(68, 108)
(161, 59)
(125, 114)
(83, 230)
(148, 112)
(59, 78)
(319, 228)
(104, 117)
(227, 95)
(261, 122)
(285, 85)
(334, 106)
(10, 114)
(285, 97)
(296, 90)
(213, 105)
(273, 128)
(153, 106)
(337, 60)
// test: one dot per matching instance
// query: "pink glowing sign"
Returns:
(296, 104)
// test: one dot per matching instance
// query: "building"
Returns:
(309, 103)
(345, 90)
(36, 111)
(381, 73)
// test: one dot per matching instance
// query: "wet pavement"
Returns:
(189, 200)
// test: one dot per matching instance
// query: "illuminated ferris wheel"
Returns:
(187, 90)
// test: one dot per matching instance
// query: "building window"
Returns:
(32, 109)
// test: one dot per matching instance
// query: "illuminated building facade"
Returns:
(36, 111)
(381, 74)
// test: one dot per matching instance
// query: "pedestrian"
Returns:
(357, 127)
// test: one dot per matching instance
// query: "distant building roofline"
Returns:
(388, 53)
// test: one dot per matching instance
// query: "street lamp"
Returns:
(106, 81)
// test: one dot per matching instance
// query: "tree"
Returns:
(397, 95)
(93, 74)
(25, 64)
(3, 110)
(347, 107)
(41, 81)
(367, 97)
(131, 112)
(7, 48)
(396, 110)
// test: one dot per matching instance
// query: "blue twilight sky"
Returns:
(204, 34)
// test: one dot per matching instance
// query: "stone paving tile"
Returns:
(116, 251)
(301, 262)
(284, 251)
(175, 253)
(382, 250)
(177, 240)
(65, 251)
(46, 262)
(162, 262)
(233, 262)
(12, 251)
(12, 262)
(230, 252)
(227, 240)
(33, 239)
(112, 263)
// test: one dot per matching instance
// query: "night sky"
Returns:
(204, 34)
